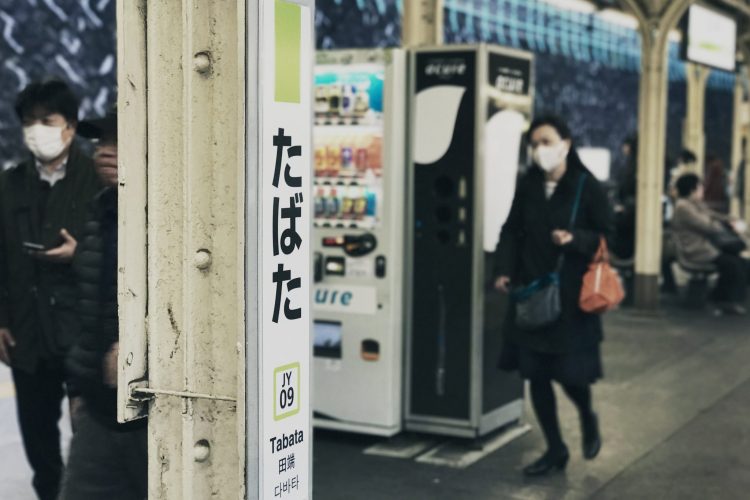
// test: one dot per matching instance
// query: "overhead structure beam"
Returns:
(740, 5)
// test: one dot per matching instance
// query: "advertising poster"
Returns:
(285, 171)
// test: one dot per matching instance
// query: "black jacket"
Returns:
(95, 265)
(526, 252)
(36, 297)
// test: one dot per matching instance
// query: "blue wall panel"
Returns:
(587, 69)
(358, 23)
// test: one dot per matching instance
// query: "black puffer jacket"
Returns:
(37, 298)
(95, 264)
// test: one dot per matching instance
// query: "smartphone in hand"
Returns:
(33, 247)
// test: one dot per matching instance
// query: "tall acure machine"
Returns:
(470, 106)
(359, 188)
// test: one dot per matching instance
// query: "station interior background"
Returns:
(587, 63)
(587, 68)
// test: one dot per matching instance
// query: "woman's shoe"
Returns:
(731, 309)
(737, 310)
(592, 440)
(550, 461)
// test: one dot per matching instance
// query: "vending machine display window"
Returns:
(327, 339)
(348, 145)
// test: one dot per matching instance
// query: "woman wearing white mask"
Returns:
(542, 235)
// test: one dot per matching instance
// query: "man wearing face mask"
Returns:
(42, 209)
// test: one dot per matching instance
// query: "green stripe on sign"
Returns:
(288, 26)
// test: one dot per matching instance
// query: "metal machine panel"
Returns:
(359, 240)
(470, 105)
(444, 116)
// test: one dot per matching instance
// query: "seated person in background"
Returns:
(687, 163)
(697, 231)
(716, 192)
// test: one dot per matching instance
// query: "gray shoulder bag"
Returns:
(538, 304)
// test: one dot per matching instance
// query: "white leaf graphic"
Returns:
(435, 122)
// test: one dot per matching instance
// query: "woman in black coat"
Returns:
(535, 236)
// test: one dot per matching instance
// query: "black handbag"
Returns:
(729, 242)
(538, 304)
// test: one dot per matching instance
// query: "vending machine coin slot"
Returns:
(335, 266)
(461, 238)
(380, 266)
(463, 188)
(318, 267)
(353, 245)
(334, 241)
(359, 246)
(370, 350)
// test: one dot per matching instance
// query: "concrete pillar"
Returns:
(693, 130)
(652, 116)
(742, 117)
(656, 20)
(422, 23)
(738, 134)
(746, 130)
(187, 201)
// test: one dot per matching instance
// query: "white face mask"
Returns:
(550, 157)
(45, 143)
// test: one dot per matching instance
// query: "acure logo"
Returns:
(334, 298)
(440, 69)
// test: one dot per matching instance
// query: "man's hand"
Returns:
(110, 365)
(7, 343)
(503, 284)
(76, 406)
(62, 254)
(561, 237)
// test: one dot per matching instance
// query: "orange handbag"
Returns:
(602, 288)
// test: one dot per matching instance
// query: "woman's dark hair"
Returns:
(687, 156)
(563, 131)
(553, 121)
(687, 185)
(53, 96)
(632, 142)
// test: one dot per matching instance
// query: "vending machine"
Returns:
(470, 106)
(360, 179)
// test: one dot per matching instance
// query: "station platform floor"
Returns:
(674, 408)
(675, 413)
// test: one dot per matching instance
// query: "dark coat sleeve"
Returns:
(4, 312)
(598, 221)
(506, 253)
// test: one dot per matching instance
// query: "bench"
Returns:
(694, 282)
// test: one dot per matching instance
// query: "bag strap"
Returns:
(573, 217)
(577, 203)
(602, 254)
